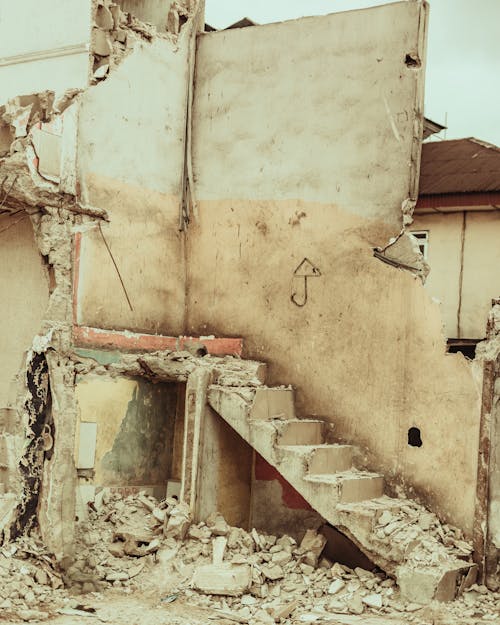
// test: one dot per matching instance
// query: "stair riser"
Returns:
(306, 433)
(361, 489)
(331, 460)
(273, 403)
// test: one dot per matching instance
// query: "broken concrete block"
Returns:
(101, 42)
(228, 579)
(272, 571)
(178, 522)
(373, 601)
(104, 18)
(284, 611)
(217, 525)
(312, 544)
(218, 549)
(336, 586)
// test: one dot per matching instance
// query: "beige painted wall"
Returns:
(444, 251)
(34, 30)
(25, 296)
(481, 268)
(481, 281)
(131, 160)
(325, 179)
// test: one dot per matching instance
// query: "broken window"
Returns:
(422, 237)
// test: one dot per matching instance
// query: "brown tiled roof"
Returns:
(459, 166)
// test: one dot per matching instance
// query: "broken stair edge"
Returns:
(417, 575)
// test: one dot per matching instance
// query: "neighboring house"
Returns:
(457, 220)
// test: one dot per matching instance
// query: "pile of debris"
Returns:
(139, 544)
(29, 579)
(247, 577)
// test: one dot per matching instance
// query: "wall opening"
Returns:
(414, 437)
(130, 434)
(466, 346)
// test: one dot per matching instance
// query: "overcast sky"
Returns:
(463, 54)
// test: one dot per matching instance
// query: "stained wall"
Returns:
(325, 179)
(131, 164)
(25, 287)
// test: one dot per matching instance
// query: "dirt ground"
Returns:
(120, 608)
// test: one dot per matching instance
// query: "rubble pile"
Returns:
(409, 523)
(246, 577)
(29, 578)
(139, 545)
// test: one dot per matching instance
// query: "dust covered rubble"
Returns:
(410, 524)
(139, 545)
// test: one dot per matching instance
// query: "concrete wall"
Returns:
(25, 296)
(465, 299)
(128, 427)
(325, 180)
(224, 480)
(44, 46)
(131, 163)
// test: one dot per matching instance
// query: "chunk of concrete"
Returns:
(232, 580)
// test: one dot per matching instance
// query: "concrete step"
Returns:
(300, 432)
(347, 498)
(352, 485)
(320, 459)
(273, 403)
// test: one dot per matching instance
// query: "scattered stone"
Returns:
(178, 522)
(373, 601)
(272, 572)
(336, 586)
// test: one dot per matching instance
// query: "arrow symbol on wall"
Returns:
(306, 269)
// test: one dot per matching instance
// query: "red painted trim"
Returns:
(290, 497)
(458, 199)
(76, 273)
(84, 336)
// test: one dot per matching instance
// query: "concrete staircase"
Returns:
(390, 531)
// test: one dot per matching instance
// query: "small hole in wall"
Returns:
(412, 60)
(414, 439)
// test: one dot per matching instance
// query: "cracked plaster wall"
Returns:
(326, 179)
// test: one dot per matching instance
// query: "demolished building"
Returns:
(180, 241)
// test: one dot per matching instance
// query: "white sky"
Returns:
(463, 54)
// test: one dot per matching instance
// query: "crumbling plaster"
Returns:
(58, 214)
